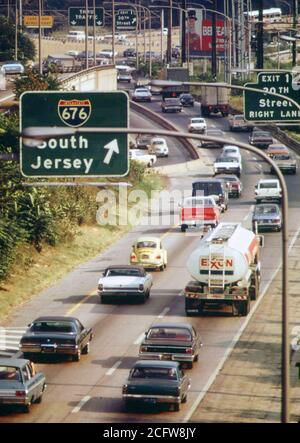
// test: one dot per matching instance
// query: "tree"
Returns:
(26, 48)
(36, 82)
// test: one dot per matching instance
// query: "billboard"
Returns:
(199, 34)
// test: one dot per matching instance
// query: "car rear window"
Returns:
(53, 326)
(264, 210)
(226, 160)
(9, 373)
(261, 134)
(126, 272)
(197, 120)
(146, 244)
(268, 185)
(207, 189)
(154, 373)
(178, 334)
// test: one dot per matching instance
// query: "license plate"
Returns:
(166, 357)
(47, 349)
(145, 256)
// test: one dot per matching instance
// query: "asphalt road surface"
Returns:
(90, 391)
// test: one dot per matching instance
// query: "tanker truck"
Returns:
(226, 270)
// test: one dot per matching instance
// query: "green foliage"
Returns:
(9, 134)
(32, 81)
(26, 48)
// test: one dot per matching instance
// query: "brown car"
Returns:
(277, 149)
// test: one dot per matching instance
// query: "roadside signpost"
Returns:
(75, 155)
(32, 21)
(267, 108)
(126, 20)
(77, 16)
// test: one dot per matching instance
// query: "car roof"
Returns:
(231, 146)
(271, 180)
(125, 267)
(155, 364)
(208, 180)
(13, 362)
(147, 238)
(172, 325)
(55, 318)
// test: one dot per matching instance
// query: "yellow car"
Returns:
(148, 252)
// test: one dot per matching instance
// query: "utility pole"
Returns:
(183, 33)
(16, 31)
(94, 31)
(86, 33)
(113, 31)
(294, 47)
(214, 43)
(170, 25)
(260, 37)
(40, 38)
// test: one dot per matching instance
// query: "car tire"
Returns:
(38, 400)
(103, 300)
(196, 358)
(26, 408)
(176, 407)
(161, 268)
(77, 356)
(86, 349)
(258, 200)
(184, 399)
(244, 308)
(143, 298)
(183, 228)
(27, 356)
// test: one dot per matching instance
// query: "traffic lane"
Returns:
(177, 154)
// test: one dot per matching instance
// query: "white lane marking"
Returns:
(7, 97)
(80, 404)
(163, 312)
(235, 339)
(139, 340)
(113, 368)
(249, 213)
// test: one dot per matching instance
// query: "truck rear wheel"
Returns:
(188, 306)
(244, 307)
(254, 289)
(183, 228)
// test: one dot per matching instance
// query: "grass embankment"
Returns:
(35, 271)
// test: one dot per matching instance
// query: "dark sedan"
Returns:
(171, 341)
(129, 52)
(261, 139)
(171, 105)
(233, 184)
(213, 133)
(156, 382)
(56, 335)
(187, 100)
(266, 217)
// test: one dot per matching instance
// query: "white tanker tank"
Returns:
(224, 256)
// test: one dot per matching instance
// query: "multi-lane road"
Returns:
(90, 391)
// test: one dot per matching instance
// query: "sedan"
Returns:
(266, 217)
(141, 95)
(13, 67)
(187, 100)
(171, 341)
(285, 162)
(159, 147)
(197, 125)
(56, 335)
(232, 151)
(234, 185)
(171, 105)
(156, 382)
(261, 139)
(123, 282)
(229, 165)
(213, 133)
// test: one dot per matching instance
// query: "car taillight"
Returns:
(143, 349)
(133, 257)
(100, 287)
(141, 287)
(124, 389)
(20, 394)
(189, 350)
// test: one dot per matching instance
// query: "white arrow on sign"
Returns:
(73, 22)
(99, 23)
(111, 148)
(134, 20)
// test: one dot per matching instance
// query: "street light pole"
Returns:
(183, 33)
(86, 33)
(94, 31)
(294, 44)
(214, 43)
(16, 31)
(170, 25)
(113, 31)
(40, 38)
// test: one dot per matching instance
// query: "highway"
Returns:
(90, 391)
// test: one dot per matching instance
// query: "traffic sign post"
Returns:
(77, 16)
(260, 107)
(79, 155)
(126, 20)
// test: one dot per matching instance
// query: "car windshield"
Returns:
(226, 160)
(207, 188)
(231, 150)
(158, 142)
(197, 120)
(265, 210)
(154, 373)
(53, 326)
(125, 272)
(10, 373)
(268, 185)
(282, 157)
(146, 244)
(177, 334)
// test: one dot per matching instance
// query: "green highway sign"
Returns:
(77, 16)
(126, 20)
(269, 108)
(80, 154)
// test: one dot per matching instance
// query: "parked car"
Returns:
(232, 151)
(285, 162)
(197, 125)
(268, 190)
(238, 123)
(12, 67)
(213, 133)
(129, 52)
(171, 105)
(156, 382)
(141, 95)
(224, 164)
(187, 99)
(149, 252)
(212, 187)
(159, 147)
(142, 157)
(234, 185)
(199, 212)
(107, 53)
(260, 139)
(277, 149)
(19, 384)
(125, 282)
(171, 341)
(143, 141)
(266, 217)
(56, 335)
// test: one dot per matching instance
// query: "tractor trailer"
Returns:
(213, 100)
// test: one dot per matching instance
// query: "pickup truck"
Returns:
(156, 382)
(285, 162)
(268, 190)
(199, 211)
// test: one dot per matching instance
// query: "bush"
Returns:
(26, 48)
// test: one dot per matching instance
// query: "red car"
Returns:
(233, 184)
(199, 212)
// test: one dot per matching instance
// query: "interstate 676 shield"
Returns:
(78, 154)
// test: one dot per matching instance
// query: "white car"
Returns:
(141, 95)
(72, 53)
(13, 67)
(227, 165)
(142, 157)
(159, 147)
(232, 151)
(268, 190)
(197, 124)
(107, 53)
